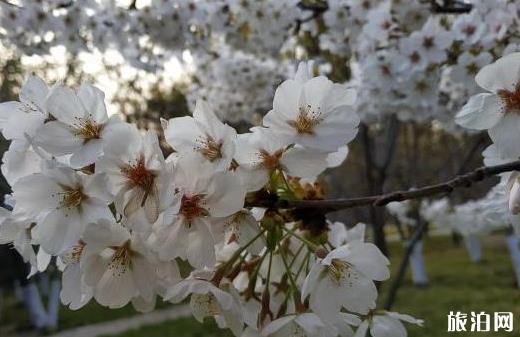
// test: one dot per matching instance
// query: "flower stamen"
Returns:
(73, 256)
(510, 99)
(138, 175)
(71, 198)
(191, 206)
(210, 148)
(306, 120)
(270, 161)
(87, 129)
(338, 270)
(121, 259)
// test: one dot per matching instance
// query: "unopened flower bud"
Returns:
(321, 252)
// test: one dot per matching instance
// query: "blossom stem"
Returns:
(294, 287)
(311, 245)
(285, 181)
(297, 254)
(221, 272)
(304, 263)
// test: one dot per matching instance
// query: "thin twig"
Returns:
(451, 7)
(464, 180)
(9, 4)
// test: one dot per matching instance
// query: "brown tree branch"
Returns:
(464, 180)
(451, 7)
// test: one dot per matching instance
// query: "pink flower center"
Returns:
(191, 206)
(139, 176)
(510, 99)
(270, 161)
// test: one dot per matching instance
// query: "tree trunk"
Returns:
(377, 164)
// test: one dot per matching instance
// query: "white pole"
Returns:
(513, 242)
(474, 247)
(53, 304)
(34, 306)
(419, 276)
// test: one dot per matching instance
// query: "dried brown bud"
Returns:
(321, 252)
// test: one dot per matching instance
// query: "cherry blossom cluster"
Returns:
(496, 110)
(418, 64)
(125, 224)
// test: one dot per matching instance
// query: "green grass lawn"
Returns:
(15, 318)
(455, 285)
(458, 285)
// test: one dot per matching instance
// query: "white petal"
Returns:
(359, 293)
(385, 326)
(143, 305)
(7, 111)
(503, 74)
(311, 280)
(19, 164)
(34, 194)
(406, 318)
(338, 95)
(34, 92)
(115, 288)
(325, 299)
(58, 138)
(87, 154)
(174, 241)
(337, 158)
(303, 163)
(506, 136)
(225, 195)
(316, 91)
(369, 260)
(64, 105)
(277, 324)
(310, 323)
(481, 112)
(285, 103)
(144, 278)
(58, 231)
(93, 101)
(201, 248)
(96, 186)
(181, 133)
(22, 125)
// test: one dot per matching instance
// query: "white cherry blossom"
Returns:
(306, 324)
(203, 134)
(63, 202)
(206, 299)
(80, 127)
(316, 114)
(497, 110)
(205, 195)
(386, 324)
(117, 265)
(344, 278)
(262, 152)
(136, 171)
